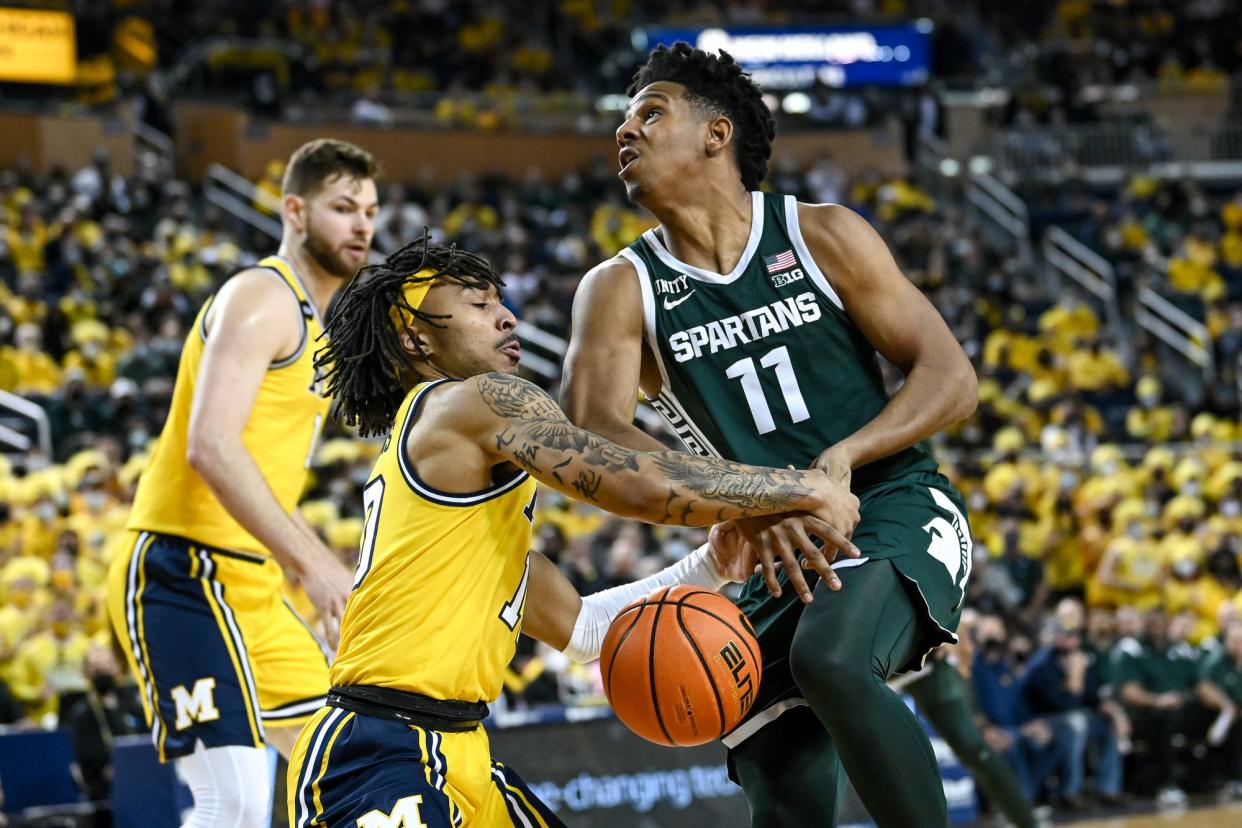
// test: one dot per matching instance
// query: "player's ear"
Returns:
(293, 210)
(415, 342)
(719, 135)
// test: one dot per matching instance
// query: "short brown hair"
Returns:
(314, 163)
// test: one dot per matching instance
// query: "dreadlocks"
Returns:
(716, 85)
(366, 370)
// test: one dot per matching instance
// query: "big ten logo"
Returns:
(405, 814)
(782, 279)
(741, 671)
(197, 705)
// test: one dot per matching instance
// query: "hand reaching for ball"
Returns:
(732, 556)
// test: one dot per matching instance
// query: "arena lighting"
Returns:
(796, 103)
(979, 165)
(949, 168)
(797, 58)
(612, 103)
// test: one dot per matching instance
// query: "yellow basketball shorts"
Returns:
(218, 651)
(349, 769)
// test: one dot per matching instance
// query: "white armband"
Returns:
(598, 610)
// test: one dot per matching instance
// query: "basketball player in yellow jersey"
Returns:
(225, 664)
(422, 348)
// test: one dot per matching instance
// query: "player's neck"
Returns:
(319, 283)
(710, 230)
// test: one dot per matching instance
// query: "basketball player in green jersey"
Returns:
(752, 322)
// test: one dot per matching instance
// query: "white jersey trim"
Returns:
(649, 326)
(752, 244)
(804, 253)
(761, 720)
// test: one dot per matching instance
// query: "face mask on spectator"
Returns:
(45, 512)
(1185, 568)
(1231, 508)
(104, 684)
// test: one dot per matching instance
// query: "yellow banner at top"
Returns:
(37, 46)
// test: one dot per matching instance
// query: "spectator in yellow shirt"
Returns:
(40, 528)
(36, 372)
(91, 355)
(27, 240)
(51, 662)
(1097, 368)
(22, 611)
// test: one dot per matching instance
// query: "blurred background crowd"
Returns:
(1103, 478)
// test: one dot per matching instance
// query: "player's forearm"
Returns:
(700, 491)
(235, 479)
(930, 401)
(624, 434)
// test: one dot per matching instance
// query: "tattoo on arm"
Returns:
(748, 487)
(540, 424)
(514, 398)
(588, 484)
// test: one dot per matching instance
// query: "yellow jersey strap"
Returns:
(285, 270)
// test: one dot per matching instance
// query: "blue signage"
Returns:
(795, 58)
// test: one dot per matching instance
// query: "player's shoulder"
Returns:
(834, 232)
(611, 287)
(830, 219)
(485, 396)
(610, 272)
(258, 288)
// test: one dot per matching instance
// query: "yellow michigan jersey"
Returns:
(441, 580)
(280, 434)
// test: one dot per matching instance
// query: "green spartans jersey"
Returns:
(762, 365)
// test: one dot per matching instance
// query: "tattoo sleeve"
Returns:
(664, 487)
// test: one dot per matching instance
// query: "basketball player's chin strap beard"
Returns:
(598, 610)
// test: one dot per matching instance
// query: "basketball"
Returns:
(681, 667)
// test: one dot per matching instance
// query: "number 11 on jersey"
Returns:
(778, 358)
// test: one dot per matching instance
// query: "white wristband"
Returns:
(598, 610)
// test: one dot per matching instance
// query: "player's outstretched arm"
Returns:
(518, 422)
(254, 322)
(556, 615)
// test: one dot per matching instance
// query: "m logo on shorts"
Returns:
(197, 705)
(404, 815)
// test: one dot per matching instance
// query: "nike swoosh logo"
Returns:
(669, 305)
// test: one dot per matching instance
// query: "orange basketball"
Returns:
(681, 667)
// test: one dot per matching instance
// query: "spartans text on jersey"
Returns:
(749, 326)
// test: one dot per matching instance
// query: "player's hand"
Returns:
(327, 583)
(783, 538)
(732, 556)
(835, 462)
